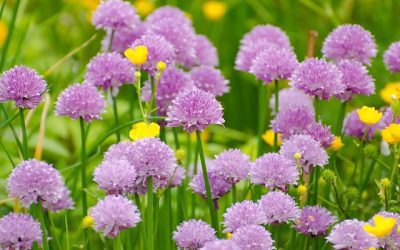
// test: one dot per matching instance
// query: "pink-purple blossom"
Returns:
(392, 57)
(242, 214)
(210, 80)
(193, 234)
(253, 237)
(114, 15)
(314, 220)
(278, 207)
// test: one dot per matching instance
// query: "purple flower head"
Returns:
(232, 164)
(120, 150)
(109, 70)
(393, 239)
(35, 181)
(116, 176)
(194, 110)
(317, 77)
(80, 101)
(218, 185)
(320, 133)
(123, 38)
(209, 79)
(193, 234)
(220, 245)
(274, 63)
(19, 231)
(242, 214)
(314, 221)
(356, 79)
(291, 98)
(23, 86)
(350, 41)
(168, 12)
(292, 121)
(65, 202)
(271, 33)
(278, 207)
(205, 53)
(352, 126)
(274, 171)
(387, 119)
(312, 153)
(113, 214)
(159, 49)
(247, 53)
(350, 234)
(179, 175)
(114, 15)
(253, 237)
(392, 57)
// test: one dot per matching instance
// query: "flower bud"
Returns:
(329, 176)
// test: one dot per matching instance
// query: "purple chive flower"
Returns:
(113, 214)
(218, 185)
(293, 121)
(80, 101)
(123, 38)
(193, 234)
(356, 79)
(220, 245)
(120, 150)
(320, 133)
(317, 77)
(114, 15)
(393, 239)
(209, 79)
(23, 86)
(312, 153)
(232, 164)
(350, 41)
(19, 231)
(274, 171)
(35, 181)
(352, 126)
(392, 57)
(115, 176)
(242, 214)
(168, 12)
(206, 53)
(273, 34)
(274, 63)
(65, 202)
(278, 207)
(291, 98)
(253, 237)
(247, 53)
(109, 70)
(314, 221)
(179, 175)
(159, 49)
(350, 234)
(194, 110)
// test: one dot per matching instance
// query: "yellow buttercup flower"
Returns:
(87, 222)
(302, 189)
(382, 227)
(3, 32)
(391, 134)
(180, 154)
(137, 55)
(143, 130)
(161, 66)
(214, 10)
(144, 7)
(337, 144)
(390, 92)
(369, 116)
(268, 137)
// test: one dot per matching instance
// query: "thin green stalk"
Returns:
(180, 196)
(306, 243)
(213, 212)
(53, 230)
(386, 200)
(393, 176)
(247, 191)
(83, 178)
(115, 112)
(110, 41)
(66, 231)
(24, 137)
(10, 33)
(338, 201)
(141, 225)
(339, 123)
(2, 7)
(139, 96)
(316, 107)
(149, 214)
(40, 217)
(196, 157)
(7, 154)
(368, 175)
(168, 223)
(276, 110)
(234, 194)
(313, 199)
(262, 104)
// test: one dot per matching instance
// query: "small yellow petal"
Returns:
(87, 222)
(161, 66)
(337, 144)
(390, 92)
(268, 137)
(144, 7)
(214, 10)
(369, 116)
(137, 55)
(143, 130)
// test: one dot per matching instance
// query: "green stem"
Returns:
(359, 153)
(111, 40)
(66, 231)
(338, 201)
(262, 104)
(169, 216)
(234, 194)
(53, 230)
(40, 217)
(306, 243)
(316, 107)
(8, 121)
(139, 96)
(314, 182)
(83, 178)
(368, 175)
(150, 197)
(11, 29)
(213, 212)
(141, 225)
(393, 176)
(115, 112)
(24, 137)
(340, 118)
(276, 110)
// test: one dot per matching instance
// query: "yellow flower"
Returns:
(144, 7)
(214, 10)
(180, 154)
(161, 66)
(3, 32)
(87, 221)
(143, 130)
(302, 189)
(337, 144)
(369, 116)
(390, 92)
(137, 55)
(268, 137)
(385, 183)
(382, 227)
(228, 235)
(391, 134)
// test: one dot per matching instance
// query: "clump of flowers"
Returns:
(278, 207)
(253, 237)
(314, 221)
(242, 214)
(193, 234)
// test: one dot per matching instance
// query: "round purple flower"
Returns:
(120, 150)
(247, 53)
(232, 164)
(320, 133)
(113, 214)
(114, 14)
(23, 86)
(123, 38)
(291, 98)
(65, 202)
(220, 245)
(253, 237)
(392, 57)
(109, 70)
(272, 33)
(274, 63)
(194, 110)
(317, 77)
(115, 176)
(178, 176)
(350, 41)
(314, 221)
(209, 79)
(168, 12)
(356, 79)
(278, 207)
(206, 53)
(218, 185)
(352, 126)
(19, 231)
(159, 49)
(80, 101)
(242, 214)
(35, 181)
(393, 239)
(311, 151)
(350, 234)
(193, 234)
(274, 171)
